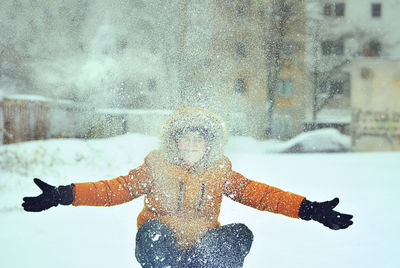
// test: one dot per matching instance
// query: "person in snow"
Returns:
(183, 183)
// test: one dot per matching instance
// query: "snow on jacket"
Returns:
(187, 198)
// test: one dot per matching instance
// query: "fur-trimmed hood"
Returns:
(189, 118)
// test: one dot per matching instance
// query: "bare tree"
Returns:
(331, 49)
(282, 23)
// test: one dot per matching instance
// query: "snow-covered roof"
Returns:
(64, 102)
(27, 97)
(37, 98)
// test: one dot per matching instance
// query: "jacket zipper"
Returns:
(202, 196)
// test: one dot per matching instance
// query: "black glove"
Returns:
(51, 197)
(323, 212)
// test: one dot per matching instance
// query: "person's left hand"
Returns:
(323, 212)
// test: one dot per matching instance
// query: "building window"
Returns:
(280, 8)
(339, 9)
(331, 87)
(328, 9)
(284, 88)
(375, 47)
(376, 10)
(372, 49)
(332, 47)
(334, 9)
(241, 50)
(240, 86)
(336, 87)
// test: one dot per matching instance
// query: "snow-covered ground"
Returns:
(367, 184)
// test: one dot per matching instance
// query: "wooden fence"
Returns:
(24, 120)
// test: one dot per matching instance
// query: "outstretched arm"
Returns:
(102, 193)
(264, 197)
(51, 197)
(113, 192)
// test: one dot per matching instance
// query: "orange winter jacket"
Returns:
(187, 200)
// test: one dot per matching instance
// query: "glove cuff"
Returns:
(306, 210)
(66, 194)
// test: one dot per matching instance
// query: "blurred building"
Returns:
(337, 33)
(252, 61)
(375, 102)
(161, 55)
(227, 48)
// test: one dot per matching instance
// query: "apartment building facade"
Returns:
(337, 33)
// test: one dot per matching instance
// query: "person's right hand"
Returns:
(51, 197)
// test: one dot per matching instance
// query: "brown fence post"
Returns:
(8, 128)
(24, 120)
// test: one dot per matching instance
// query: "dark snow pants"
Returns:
(224, 246)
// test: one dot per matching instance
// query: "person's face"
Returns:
(192, 147)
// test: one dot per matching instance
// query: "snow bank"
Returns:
(49, 155)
